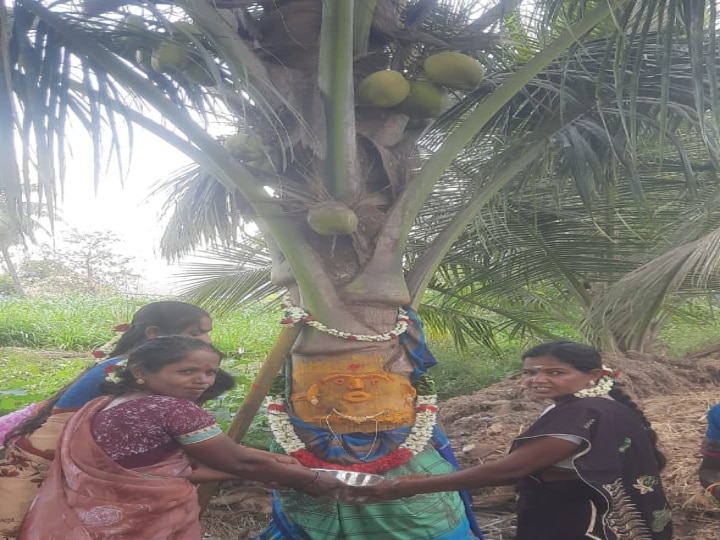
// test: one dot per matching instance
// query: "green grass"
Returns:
(696, 327)
(460, 373)
(80, 323)
(30, 376)
(72, 323)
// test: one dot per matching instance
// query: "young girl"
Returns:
(123, 467)
(30, 446)
(588, 468)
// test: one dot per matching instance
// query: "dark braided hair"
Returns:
(585, 358)
(169, 316)
(152, 355)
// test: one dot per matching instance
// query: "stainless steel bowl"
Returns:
(352, 478)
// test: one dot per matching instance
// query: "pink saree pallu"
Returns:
(23, 469)
(86, 495)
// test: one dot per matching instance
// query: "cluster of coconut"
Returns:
(422, 98)
(171, 55)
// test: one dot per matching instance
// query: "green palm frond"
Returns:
(201, 211)
(230, 276)
(686, 265)
(66, 68)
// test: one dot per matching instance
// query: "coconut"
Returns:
(426, 100)
(331, 218)
(263, 164)
(199, 73)
(169, 57)
(245, 146)
(133, 22)
(382, 89)
(454, 69)
(127, 40)
(183, 29)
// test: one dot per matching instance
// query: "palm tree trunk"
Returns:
(17, 284)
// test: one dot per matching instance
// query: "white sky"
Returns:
(123, 209)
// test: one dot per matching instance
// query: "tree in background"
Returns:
(15, 230)
(328, 102)
(86, 261)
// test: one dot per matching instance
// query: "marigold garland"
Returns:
(295, 315)
(415, 442)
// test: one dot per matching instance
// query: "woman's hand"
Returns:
(278, 458)
(286, 460)
(387, 490)
(323, 485)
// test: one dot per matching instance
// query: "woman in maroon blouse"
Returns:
(124, 469)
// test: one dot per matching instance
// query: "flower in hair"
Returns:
(111, 371)
(106, 349)
(610, 372)
(603, 385)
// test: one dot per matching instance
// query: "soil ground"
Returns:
(675, 396)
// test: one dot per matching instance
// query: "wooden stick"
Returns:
(254, 398)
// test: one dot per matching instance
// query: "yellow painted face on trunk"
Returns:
(354, 394)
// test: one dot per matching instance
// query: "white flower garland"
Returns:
(295, 315)
(421, 432)
(112, 375)
(602, 388)
(425, 420)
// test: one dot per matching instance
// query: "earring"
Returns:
(140, 380)
(592, 383)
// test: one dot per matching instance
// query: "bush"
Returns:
(7, 287)
(82, 322)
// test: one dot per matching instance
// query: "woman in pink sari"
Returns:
(125, 462)
(30, 444)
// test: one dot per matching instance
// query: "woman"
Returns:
(124, 461)
(588, 468)
(30, 446)
(709, 472)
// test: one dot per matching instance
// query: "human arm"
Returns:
(202, 474)
(527, 458)
(223, 454)
(709, 472)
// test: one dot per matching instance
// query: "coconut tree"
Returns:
(571, 228)
(15, 230)
(684, 266)
(10, 235)
(329, 100)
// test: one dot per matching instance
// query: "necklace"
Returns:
(284, 433)
(356, 419)
(339, 441)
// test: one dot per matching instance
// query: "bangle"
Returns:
(317, 475)
(710, 492)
